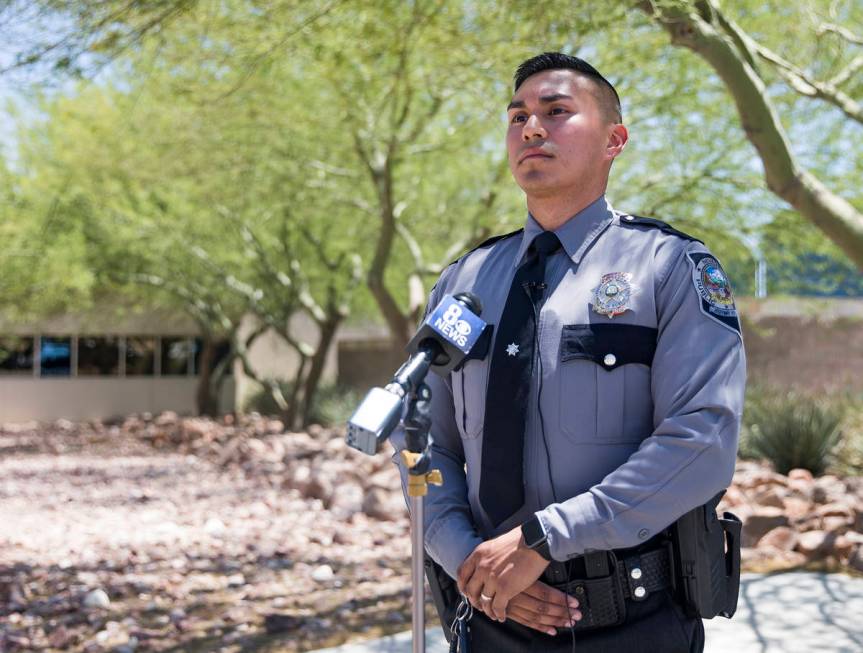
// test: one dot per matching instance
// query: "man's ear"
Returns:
(617, 138)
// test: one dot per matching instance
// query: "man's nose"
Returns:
(533, 128)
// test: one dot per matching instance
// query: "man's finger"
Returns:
(527, 619)
(465, 571)
(549, 594)
(499, 603)
(541, 621)
(551, 597)
(474, 589)
(536, 606)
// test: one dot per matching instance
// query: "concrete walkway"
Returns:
(778, 613)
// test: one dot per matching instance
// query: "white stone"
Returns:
(323, 573)
(97, 599)
(214, 526)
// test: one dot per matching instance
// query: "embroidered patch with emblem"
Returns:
(714, 290)
(614, 293)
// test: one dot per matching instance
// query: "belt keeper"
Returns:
(596, 564)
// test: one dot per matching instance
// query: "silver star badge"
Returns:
(512, 349)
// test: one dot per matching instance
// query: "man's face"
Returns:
(557, 137)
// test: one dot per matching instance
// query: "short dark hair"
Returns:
(609, 101)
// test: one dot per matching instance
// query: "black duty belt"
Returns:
(603, 582)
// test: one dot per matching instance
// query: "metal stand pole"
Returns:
(418, 615)
(417, 458)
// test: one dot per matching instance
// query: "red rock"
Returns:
(799, 474)
(801, 489)
(856, 559)
(384, 505)
(835, 524)
(345, 500)
(816, 544)
(828, 489)
(782, 538)
(761, 477)
(761, 521)
(167, 418)
(798, 509)
(773, 495)
(847, 543)
(835, 516)
(733, 497)
(768, 558)
(319, 486)
(835, 510)
(856, 505)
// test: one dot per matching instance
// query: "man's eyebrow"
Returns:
(543, 99)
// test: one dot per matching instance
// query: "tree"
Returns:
(167, 206)
(746, 65)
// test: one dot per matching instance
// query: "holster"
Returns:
(445, 595)
(707, 561)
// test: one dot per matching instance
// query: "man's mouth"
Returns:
(534, 153)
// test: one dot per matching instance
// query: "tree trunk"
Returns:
(319, 359)
(206, 402)
(292, 415)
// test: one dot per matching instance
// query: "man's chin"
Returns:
(536, 184)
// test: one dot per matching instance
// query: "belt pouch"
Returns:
(707, 561)
(601, 601)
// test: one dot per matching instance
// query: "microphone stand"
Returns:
(417, 458)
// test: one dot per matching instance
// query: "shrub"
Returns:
(333, 404)
(849, 456)
(791, 430)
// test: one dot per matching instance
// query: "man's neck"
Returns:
(552, 212)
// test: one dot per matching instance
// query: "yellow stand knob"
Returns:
(418, 483)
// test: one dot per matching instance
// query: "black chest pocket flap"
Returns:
(609, 345)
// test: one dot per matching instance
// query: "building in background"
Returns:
(97, 365)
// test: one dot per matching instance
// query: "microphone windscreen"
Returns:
(471, 301)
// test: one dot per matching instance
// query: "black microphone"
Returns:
(442, 342)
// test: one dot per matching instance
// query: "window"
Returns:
(176, 354)
(98, 356)
(55, 355)
(16, 355)
(140, 356)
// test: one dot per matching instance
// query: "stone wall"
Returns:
(807, 344)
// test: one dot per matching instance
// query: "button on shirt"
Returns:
(634, 409)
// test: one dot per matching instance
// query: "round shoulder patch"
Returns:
(713, 286)
(714, 289)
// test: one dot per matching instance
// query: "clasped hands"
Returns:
(500, 578)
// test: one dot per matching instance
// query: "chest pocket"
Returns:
(605, 382)
(468, 393)
(469, 385)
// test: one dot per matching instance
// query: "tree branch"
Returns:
(840, 31)
(834, 215)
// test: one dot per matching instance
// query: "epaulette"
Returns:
(664, 227)
(487, 242)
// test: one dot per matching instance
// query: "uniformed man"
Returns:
(607, 405)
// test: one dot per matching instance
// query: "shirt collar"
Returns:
(576, 234)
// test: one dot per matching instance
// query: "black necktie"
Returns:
(501, 482)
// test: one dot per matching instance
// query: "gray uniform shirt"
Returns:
(627, 428)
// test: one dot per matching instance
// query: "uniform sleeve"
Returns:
(450, 533)
(697, 379)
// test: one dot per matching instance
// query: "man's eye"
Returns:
(517, 118)
(557, 110)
